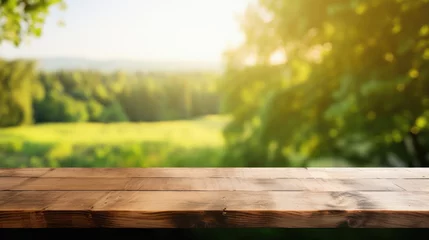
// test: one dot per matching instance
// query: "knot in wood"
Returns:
(353, 222)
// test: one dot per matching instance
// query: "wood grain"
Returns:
(214, 197)
(138, 209)
(294, 173)
(23, 172)
(206, 184)
(7, 183)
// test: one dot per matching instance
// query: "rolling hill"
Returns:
(52, 64)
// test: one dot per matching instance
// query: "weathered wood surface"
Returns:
(214, 197)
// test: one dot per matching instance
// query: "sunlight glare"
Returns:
(185, 30)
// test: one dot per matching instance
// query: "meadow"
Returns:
(195, 143)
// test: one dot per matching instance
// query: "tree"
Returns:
(16, 92)
(113, 113)
(19, 18)
(331, 79)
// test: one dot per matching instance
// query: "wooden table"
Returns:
(214, 197)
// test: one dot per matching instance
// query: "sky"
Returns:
(166, 30)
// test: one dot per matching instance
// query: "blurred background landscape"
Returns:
(199, 83)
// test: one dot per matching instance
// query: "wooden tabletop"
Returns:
(214, 197)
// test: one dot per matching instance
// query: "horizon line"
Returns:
(112, 59)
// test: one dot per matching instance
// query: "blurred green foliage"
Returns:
(16, 78)
(138, 154)
(330, 79)
(21, 18)
(28, 96)
(156, 144)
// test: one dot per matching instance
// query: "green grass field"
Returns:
(195, 143)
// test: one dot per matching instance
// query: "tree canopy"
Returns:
(28, 96)
(20, 18)
(331, 79)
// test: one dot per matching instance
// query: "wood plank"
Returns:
(32, 209)
(160, 209)
(5, 195)
(70, 184)
(7, 183)
(29, 200)
(72, 201)
(276, 201)
(215, 197)
(204, 184)
(294, 173)
(336, 185)
(412, 184)
(365, 173)
(23, 172)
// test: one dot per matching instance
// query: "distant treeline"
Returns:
(28, 96)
